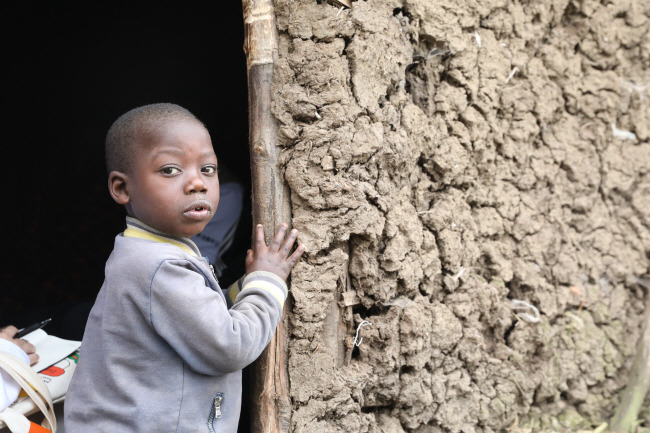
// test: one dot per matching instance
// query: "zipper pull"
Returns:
(217, 406)
(214, 274)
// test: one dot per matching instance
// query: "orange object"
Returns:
(35, 428)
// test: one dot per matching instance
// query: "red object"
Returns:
(53, 371)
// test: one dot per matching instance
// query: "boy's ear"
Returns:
(117, 182)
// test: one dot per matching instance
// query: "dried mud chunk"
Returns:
(313, 288)
(380, 348)
(301, 82)
(416, 123)
(488, 221)
(494, 66)
(490, 300)
(639, 201)
(500, 21)
(369, 279)
(377, 61)
(458, 415)
(462, 71)
(451, 249)
(582, 351)
(502, 195)
(640, 113)
(462, 306)
(622, 164)
(548, 95)
(386, 424)
(404, 232)
(381, 389)
(543, 246)
(410, 275)
(431, 265)
(582, 165)
(449, 210)
(320, 230)
(320, 381)
(475, 122)
(446, 328)
(520, 132)
(415, 335)
(416, 400)
(428, 428)
(447, 162)
(306, 60)
(450, 100)
(304, 19)
(444, 21)
(528, 222)
(526, 271)
(471, 348)
(368, 139)
(595, 96)
(319, 416)
(517, 100)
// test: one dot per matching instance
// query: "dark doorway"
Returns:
(70, 71)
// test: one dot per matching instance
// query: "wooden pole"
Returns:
(625, 418)
(271, 409)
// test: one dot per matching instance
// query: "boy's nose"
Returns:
(195, 184)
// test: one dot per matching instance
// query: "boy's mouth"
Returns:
(198, 210)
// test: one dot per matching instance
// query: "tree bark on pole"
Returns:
(271, 404)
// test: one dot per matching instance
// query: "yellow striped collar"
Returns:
(137, 229)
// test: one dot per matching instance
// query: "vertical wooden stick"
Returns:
(638, 384)
(271, 404)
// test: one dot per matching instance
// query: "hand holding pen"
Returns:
(10, 332)
(31, 328)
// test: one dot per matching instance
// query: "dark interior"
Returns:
(69, 71)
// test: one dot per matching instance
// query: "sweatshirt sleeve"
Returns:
(231, 292)
(196, 322)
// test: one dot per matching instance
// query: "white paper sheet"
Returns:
(49, 348)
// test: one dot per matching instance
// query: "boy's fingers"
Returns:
(279, 237)
(297, 254)
(259, 237)
(291, 239)
(248, 261)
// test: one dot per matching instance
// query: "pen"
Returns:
(31, 328)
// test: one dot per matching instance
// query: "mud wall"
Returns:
(446, 161)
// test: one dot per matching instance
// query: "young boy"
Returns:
(164, 347)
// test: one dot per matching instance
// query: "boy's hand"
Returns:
(277, 257)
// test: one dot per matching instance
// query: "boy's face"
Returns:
(173, 184)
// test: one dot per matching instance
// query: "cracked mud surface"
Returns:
(447, 158)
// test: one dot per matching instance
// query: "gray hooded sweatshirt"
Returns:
(162, 351)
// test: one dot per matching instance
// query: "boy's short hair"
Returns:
(131, 126)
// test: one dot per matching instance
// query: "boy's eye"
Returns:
(169, 170)
(209, 169)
